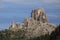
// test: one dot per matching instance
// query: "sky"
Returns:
(17, 10)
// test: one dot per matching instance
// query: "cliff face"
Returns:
(37, 16)
(38, 24)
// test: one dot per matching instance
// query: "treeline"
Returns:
(12, 35)
(20, 35)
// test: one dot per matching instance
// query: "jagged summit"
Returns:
(39, 15)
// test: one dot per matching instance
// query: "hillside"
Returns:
(20, 35)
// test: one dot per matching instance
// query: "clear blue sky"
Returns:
(18, 9)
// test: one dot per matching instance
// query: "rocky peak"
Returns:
(39, 15)
(32, 26)
(12, 25)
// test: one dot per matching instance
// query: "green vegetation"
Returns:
(20, 35)
(55, 35)
(43, 37)
(12, 35)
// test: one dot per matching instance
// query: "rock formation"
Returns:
(26, 22)
(12, 25)
(29, 22)
(18, 25)
(39, 15)
(36, 25)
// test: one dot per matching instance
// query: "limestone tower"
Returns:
(26, 22)
(12, 25)
(18, 25)
(39, 15)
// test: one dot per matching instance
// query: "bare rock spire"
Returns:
(39, 15)
(26, 22)
(18, 25)
(12, 25)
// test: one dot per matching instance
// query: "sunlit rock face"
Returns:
(39, 15)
